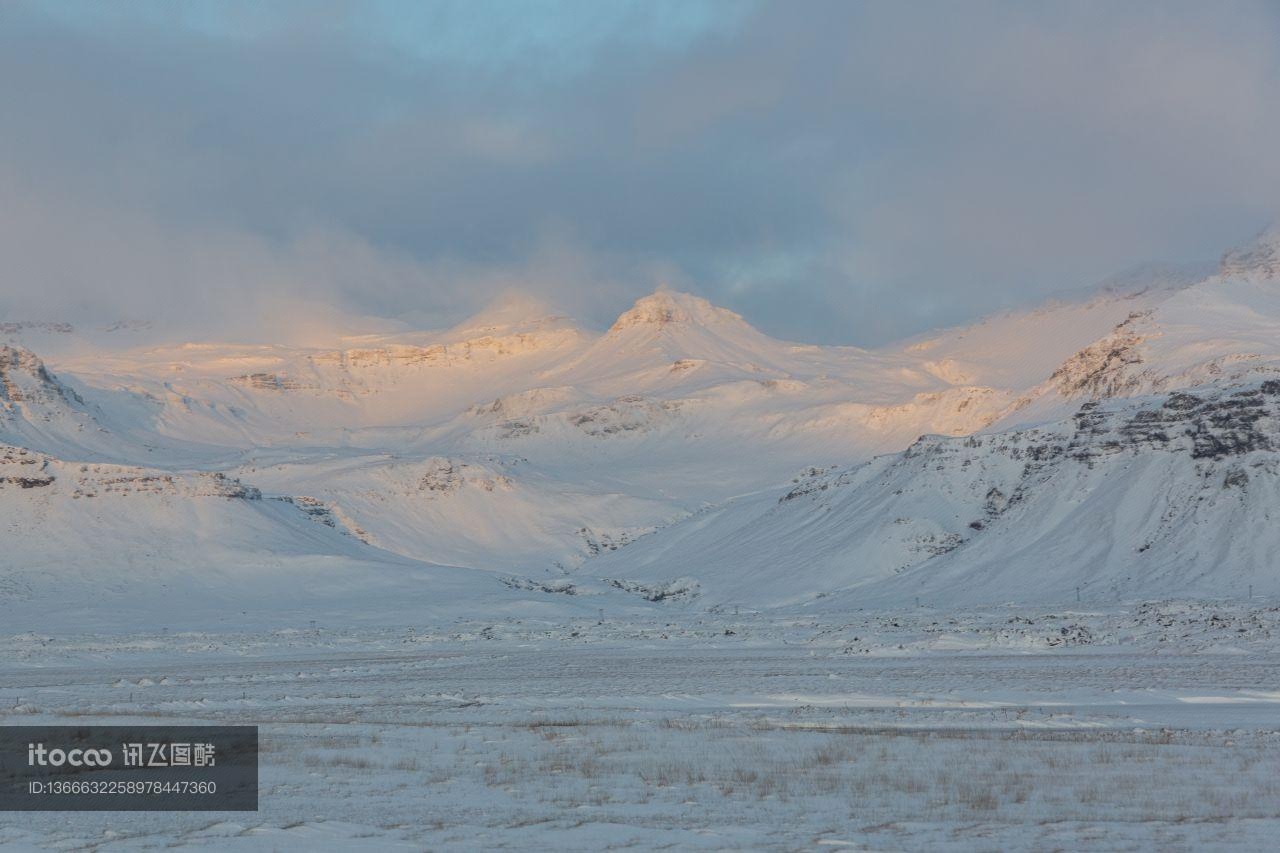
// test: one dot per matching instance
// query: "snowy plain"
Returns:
(1153, 726)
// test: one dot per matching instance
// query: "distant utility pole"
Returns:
(1077, 595)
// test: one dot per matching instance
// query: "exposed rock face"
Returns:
(1211, 425)
(1104, 369)
(10, 455)
(632, 414)
(268, 382)
(104, 480)
(626, 414)
(26, 469)
(322, 512)
(25, 379)
(599, 541)
(448, 476)
(27, 482)
(678, 590)
(314, 508)
(807, 482)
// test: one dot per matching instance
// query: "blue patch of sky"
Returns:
(548, 40)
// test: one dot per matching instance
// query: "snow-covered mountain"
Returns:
(520, 454)
(1147, 463)
(114, 547)
(1176, 494)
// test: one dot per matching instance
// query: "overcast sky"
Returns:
(837, 172)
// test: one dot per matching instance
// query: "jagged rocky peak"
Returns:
(665, 307)
(1259, 259)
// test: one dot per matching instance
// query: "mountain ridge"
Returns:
(525, 452)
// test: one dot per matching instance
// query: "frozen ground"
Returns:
(1146, 727)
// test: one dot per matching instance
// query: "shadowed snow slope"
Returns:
(109, 546)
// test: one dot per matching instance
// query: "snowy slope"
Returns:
(1127, 499)
(111, 546)
(1223, 329)
(1019, 349)
(486, 512)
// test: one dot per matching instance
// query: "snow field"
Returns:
(749, 732)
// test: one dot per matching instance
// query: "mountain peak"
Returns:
(665, 307)
(1259, 259)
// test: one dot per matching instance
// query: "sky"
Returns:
(837, 172)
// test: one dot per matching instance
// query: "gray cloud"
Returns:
(842, 172)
